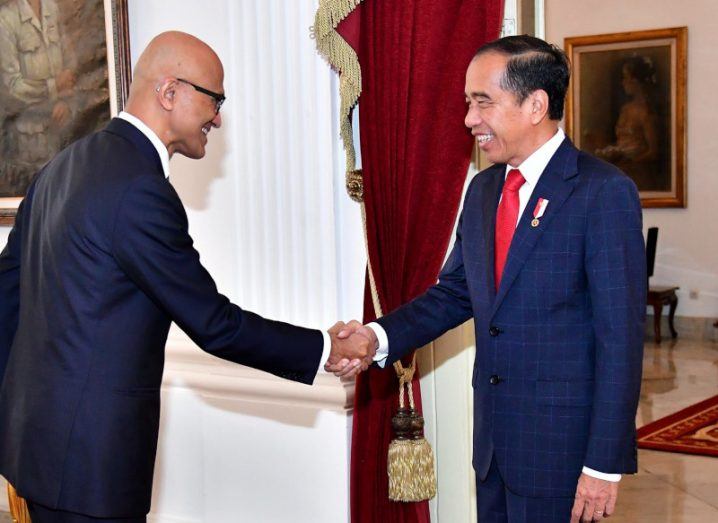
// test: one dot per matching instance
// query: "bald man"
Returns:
(97, 266)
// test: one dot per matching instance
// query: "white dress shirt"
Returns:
(152, 137)
(531, 169)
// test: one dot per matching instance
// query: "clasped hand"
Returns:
(353, 349)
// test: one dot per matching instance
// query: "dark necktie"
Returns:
(506, 217)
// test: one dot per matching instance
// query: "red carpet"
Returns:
(693, 430)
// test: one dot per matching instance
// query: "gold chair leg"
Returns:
(18, 506)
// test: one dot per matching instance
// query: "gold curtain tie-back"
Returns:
(355, 185)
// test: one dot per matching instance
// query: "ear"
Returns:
(539, 105)
(166, 92)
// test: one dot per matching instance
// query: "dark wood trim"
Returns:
(123, 66)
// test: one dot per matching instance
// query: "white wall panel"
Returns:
(284, 140)
(446, 367)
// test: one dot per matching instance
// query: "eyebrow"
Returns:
(477, 94)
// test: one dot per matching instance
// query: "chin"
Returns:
(497, 156)
(196, 154)
(494, 158)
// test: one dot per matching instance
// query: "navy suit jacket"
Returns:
(97, 266)
(559, 345)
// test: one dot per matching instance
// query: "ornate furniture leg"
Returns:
(657, 311)
(672, 313)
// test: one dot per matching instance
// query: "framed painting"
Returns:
(64, 71)
(627, 104)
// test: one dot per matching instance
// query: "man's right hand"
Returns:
(353, 349)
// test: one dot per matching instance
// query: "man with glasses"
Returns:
(97, 266)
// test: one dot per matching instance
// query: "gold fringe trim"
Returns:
(411, 470)
(344, 60)
(18, 506)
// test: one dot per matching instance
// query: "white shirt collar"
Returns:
(152, 137)
(532, 167)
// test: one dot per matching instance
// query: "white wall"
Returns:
(687, 247)
(271, 219)
(269, 214)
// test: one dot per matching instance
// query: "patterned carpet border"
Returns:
(693, 430)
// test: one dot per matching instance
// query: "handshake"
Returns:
(353, 348)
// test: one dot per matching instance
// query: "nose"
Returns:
(472, 117)
(217, 120)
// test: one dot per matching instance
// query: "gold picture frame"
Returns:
(627, 104)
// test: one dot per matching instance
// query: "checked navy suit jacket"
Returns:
(97, 266)
(559, 347)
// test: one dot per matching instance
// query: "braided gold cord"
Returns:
(405, 374)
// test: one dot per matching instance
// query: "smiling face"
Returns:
(504, 129)
(195, 113)
(176, 84)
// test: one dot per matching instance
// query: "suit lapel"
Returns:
(555, 185)
(493, 181)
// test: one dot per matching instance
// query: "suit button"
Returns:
(494, 380)
(494, 331)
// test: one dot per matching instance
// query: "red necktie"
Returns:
(506, 218)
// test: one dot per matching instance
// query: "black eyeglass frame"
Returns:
(217, 97)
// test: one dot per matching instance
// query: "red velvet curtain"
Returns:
(415, 155)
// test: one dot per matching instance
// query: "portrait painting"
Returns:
(64, 70)
(626, 105)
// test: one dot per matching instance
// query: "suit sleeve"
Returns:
(442, 307)
(616, 272)
(152, 245)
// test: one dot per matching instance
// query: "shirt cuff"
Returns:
(326, 351)
(382, 351)
(614, 478)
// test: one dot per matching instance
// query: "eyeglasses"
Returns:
(218, 98)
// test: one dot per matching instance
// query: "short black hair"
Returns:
(533, 64)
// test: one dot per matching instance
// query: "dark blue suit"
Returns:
(559, 346)
(99, 263)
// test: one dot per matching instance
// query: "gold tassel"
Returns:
(410, 464)
(18, 506)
